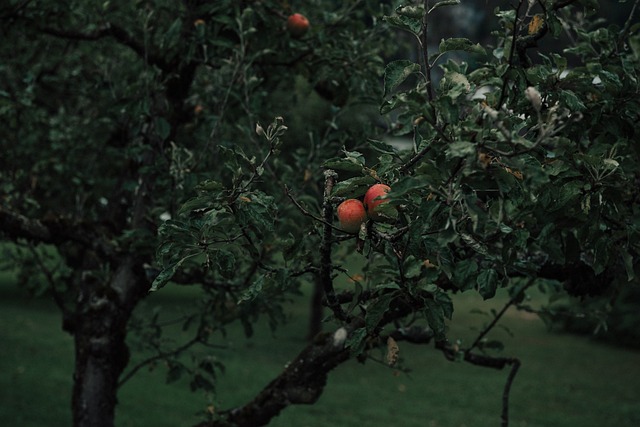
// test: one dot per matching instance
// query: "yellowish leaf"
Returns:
(536, 24)
(392, 351)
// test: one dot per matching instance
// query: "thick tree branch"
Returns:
(486, 361)
(12, 11)
(118, 33)
(55, 231)
(301, 382)
(16, 226)
(515, 365)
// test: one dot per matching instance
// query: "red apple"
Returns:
(297, 24)
(351, 215)
(373, 198)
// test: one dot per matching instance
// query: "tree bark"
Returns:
(101, 351)
(301, 382)
(98, 364)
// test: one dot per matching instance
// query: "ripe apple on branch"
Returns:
(297, 25)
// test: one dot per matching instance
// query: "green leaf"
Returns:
(434, 314)
(167, 273)
(381, 146)
(163, 128)
(570, 99)
(416, 12)
(209, 185)
(172, 35)
(444, 301)
(226, 263)
(443, 3)
(464, 272)
(357, 341)
(349, 164)
(461, 44)
(413, 25)
(454, 84)
(487, 282)
(353, 187)
(253, 290)
(412, 267)
(461, 149)
(396, 72)
(412, 99)
(627, 258)
(634, 43)
(376, 311)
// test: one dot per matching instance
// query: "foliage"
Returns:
(136, 143)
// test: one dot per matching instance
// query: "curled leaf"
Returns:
(393, 351)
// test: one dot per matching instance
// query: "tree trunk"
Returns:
(100, 359)
(101, 351)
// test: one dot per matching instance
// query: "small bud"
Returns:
(490, 111)
(418, 120)
(534, 97)
(259, 129)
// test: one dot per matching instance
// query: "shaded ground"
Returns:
(565, 380)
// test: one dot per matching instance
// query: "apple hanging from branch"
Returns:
(352, 215)
(376, 196)
(297, 25)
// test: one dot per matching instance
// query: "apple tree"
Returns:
(193, 143)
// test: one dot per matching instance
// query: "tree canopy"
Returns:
(196, 143)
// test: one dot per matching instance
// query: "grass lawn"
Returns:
(564, 381)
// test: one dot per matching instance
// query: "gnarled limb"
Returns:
(302, 382)
(52, 230)
(116, 32)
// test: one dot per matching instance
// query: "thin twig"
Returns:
(498, 316)
(161, 355)
(57, 298)
(325, 248)
(514, 37)
(418, 156)
(415, 159)
(305, 212)
(627, 25)
(424, 41)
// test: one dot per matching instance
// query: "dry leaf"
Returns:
(428, 264)
(536, 23)
(392, 351)
(484, 159)
(355, 278)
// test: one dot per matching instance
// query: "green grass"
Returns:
(565, 380)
